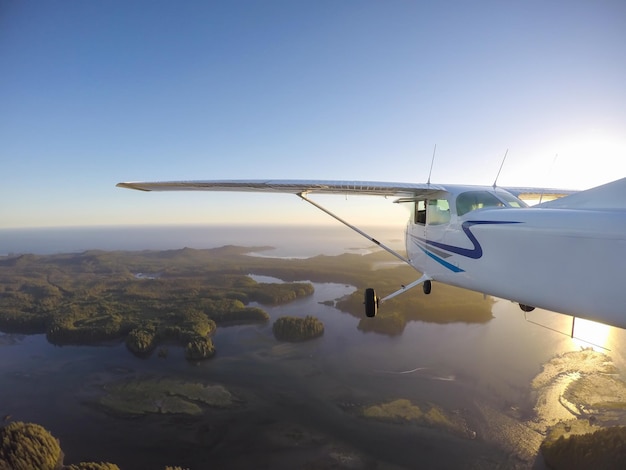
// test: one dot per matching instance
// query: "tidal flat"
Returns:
(142, 396)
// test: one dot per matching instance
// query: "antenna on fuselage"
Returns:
(432, 162)
(501, 165)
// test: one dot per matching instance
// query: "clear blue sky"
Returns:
(97, 92)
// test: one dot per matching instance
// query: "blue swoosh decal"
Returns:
(474, 253)
(443, 262)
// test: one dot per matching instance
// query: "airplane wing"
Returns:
(539, 193)
(373, 188)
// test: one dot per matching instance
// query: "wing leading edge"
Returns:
(373, 188)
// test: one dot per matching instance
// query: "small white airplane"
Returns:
(567, 255)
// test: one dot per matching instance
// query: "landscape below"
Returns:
(151, 297)
(155, 299)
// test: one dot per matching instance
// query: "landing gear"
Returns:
(526, 308)
(371, 302)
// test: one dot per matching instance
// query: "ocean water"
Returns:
(287, 241)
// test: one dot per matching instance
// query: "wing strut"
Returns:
(571, 334)
(421, 280)
(359, 231)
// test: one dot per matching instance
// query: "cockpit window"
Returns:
(438, 211)
(432, 212)
(472, 200)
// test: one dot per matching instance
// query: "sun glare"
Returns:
(588, 333)
(590, 158)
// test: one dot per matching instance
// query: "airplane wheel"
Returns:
(526, 308)
(427, 287)
(371, 302)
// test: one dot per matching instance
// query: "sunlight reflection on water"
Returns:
(588, 333)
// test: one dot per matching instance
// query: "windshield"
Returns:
(472, 200)
(510, 200)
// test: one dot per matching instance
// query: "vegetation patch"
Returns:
(296, 329)
(25, 446)
(604, 448)
(403, 411)
(165, 396)
(199, 348)
(29, 446)
(92, 466)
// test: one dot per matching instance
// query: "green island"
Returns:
(26, 446)
(296, 329)
(143, 396)
(148, 298)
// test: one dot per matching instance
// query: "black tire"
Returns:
(427, 287)
(371, 302)
(526, 308)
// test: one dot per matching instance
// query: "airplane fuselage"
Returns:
(565, 260)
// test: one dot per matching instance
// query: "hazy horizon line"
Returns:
(330, 224)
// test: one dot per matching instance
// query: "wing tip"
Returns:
(131, 186)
